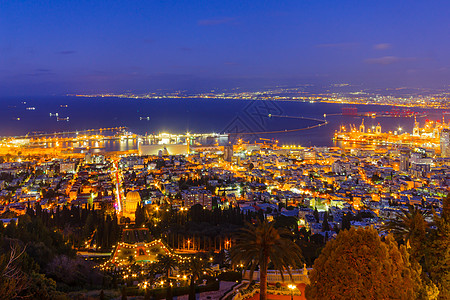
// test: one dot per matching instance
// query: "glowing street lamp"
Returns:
(292, 288)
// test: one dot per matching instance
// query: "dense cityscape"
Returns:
(163, 220)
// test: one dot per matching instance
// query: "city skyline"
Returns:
(62, 47)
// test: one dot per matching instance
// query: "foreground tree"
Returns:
(167, 264)
(437, 260)
(409, 228)
(358, 265)
(12, 279)
(263, 244)
(196, 267)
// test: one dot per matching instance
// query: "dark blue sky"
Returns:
(57, 47)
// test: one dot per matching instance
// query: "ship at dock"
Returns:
(427, 136)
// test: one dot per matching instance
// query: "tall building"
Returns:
(192, 197)
(228, 152)
(445, 142)
(404, 160)
(67, 167)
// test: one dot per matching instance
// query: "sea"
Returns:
(289, 122)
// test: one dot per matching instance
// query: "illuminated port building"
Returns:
(444, 143)
(433, 135)
(176, 144)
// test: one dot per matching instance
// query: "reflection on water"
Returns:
(193, 115)
(97, 145)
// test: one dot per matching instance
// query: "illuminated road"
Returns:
(118, 193)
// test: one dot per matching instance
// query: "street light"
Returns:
(292, 288)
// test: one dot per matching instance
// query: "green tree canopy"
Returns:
(358, 265)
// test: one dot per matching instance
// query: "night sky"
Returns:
(58, 47)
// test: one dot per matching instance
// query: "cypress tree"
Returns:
(139, 215)
(325, 224)
(316, 215)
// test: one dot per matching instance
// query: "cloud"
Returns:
(41, 72)
(382, 46)
(338, 45)
(66, 52)
(388, 60)
(212, 22)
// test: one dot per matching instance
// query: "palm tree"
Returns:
(167, 264)
(262, 244)
(196, 267)
(409, 227)
(152, 270)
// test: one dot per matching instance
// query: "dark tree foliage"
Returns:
(40, 266)
(316, 214)
(325, 224)
(358, 265)
(139, 215)
(207, 229)
(259, 245)
(437, 255)
(79, 224)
